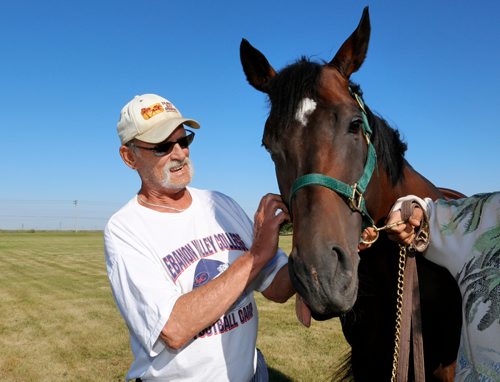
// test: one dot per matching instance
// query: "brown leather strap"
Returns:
(411, 323)
(404, 339)
(416, 326)
(407, 209)
(421, 240)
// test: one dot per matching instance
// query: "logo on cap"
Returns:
(157, 108)
(151, 111)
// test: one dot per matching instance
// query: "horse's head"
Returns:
(316, 126)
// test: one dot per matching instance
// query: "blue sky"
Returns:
(68, 67)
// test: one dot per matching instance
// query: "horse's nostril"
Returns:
(338, 252)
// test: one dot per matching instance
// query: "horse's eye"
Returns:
(356, 125)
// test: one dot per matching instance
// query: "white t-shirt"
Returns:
(153, 258)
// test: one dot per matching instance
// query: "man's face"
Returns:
(172, 172)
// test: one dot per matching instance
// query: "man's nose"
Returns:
(178, 152)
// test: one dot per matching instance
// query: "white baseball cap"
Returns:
(150, 118)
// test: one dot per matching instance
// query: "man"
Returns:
(183, 263)
(462, 236)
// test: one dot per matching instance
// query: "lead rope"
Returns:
(399, 309)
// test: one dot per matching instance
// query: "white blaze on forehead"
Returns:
(304, 110)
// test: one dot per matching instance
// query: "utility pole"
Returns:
(75, 202)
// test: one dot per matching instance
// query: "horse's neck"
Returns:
(412, 183)
(416, 184)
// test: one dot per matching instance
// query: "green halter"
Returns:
(355, 192)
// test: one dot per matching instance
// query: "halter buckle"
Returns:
(356, 198)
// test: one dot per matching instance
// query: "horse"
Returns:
(340, 167)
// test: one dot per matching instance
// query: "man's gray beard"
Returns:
(167, 182)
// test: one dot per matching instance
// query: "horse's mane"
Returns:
(300, 80)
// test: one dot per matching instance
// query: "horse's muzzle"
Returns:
(326, 280)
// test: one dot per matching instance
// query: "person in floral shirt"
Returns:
(464, 237)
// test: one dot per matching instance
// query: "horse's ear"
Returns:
(256, 67)
(352, 53)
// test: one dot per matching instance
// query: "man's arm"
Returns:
(280, 289)
(201, 307)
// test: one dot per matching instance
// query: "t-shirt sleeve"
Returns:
(267, 274)
(143, 294)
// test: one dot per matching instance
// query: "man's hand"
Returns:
(405, 233)
(402, 232)
(271, 213)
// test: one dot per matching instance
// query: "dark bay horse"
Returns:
(318, 124)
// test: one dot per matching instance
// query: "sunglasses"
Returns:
(166, 148)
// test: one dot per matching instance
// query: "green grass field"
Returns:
(58, 321)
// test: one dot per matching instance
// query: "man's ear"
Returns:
(128, 156)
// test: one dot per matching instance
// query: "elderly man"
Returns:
(183, 262)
